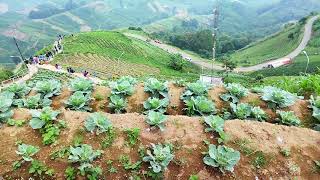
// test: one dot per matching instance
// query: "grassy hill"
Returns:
(273, 47)
(300, 62)
(112, 54)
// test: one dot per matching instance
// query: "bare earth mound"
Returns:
(186, 134)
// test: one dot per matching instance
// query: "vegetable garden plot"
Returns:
(185, 137)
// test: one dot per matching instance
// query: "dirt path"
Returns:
(205, 64)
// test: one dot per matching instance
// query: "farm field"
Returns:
(120, 126)
(115, 55)
(273, 47)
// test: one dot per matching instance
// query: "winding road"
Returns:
(206, 64)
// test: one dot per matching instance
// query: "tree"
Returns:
(291, 36)
(177, 62)
(229, 65)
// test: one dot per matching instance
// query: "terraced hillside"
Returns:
(114, 54)
(276, 46)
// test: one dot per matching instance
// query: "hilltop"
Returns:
(112, 54)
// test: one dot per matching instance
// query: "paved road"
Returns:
(205, 64)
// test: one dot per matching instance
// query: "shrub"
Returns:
(235, 92)
(222, 157)
(98, 122)
(176, 62)
(159, 158)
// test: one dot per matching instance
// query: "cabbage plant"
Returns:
(48, 88)
(82, 85)
(222, 157)
(97, 122)
(27, 151)
(84, 155)
(129, 79)
(278, 98)
(259, 114)
(241, 111)
(214, 123)
(315, 105)
(33, 102)
(235, 92)
(288, 118)
(6, 100)
(199, 105)
(19, 90)
(156, 119)
(159, 158)
(79, 101)
(195, 89)
(156, 104)
(156, 88)
(123, 88)
(117, 103)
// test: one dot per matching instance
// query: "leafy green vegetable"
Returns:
(117, 103)
(27, 151)
(277, 97)
(156, 88)
(235, 92)
(215, 123)
(288, 118)
(130, 79)
(241, 111)
(85, 155)
(6, 100)
(156, 119)
(195, 89)
(199, 105)
(121, 87)
(19, 90)
(99, 122)
(79, 102)
(222, 157)
(33, 102)
(133, 135)
(37, 168)
(156, 104)
(159, 158)
(48, 88)
(44, 120)
(81, 85)
(315, 105)
(259, 114)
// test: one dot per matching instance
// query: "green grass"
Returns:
(113, 46)
(274, 47)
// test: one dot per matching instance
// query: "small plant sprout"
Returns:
(222, 157)
(156, 104)
(235, 93)
(288, 118)
(97, 122)
(156, 119)
(132, 135)
(156, 88)
(159, 158)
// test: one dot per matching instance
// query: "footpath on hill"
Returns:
(205, 64)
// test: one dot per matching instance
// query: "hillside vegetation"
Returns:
(114, 54)
(300, 63)
(276, 46)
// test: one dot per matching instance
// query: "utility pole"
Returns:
(214, 35)
(16, 43)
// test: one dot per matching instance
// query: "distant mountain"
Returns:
(36, 22)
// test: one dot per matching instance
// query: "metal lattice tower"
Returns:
(215, 21)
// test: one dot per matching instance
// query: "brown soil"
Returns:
(185, 133)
